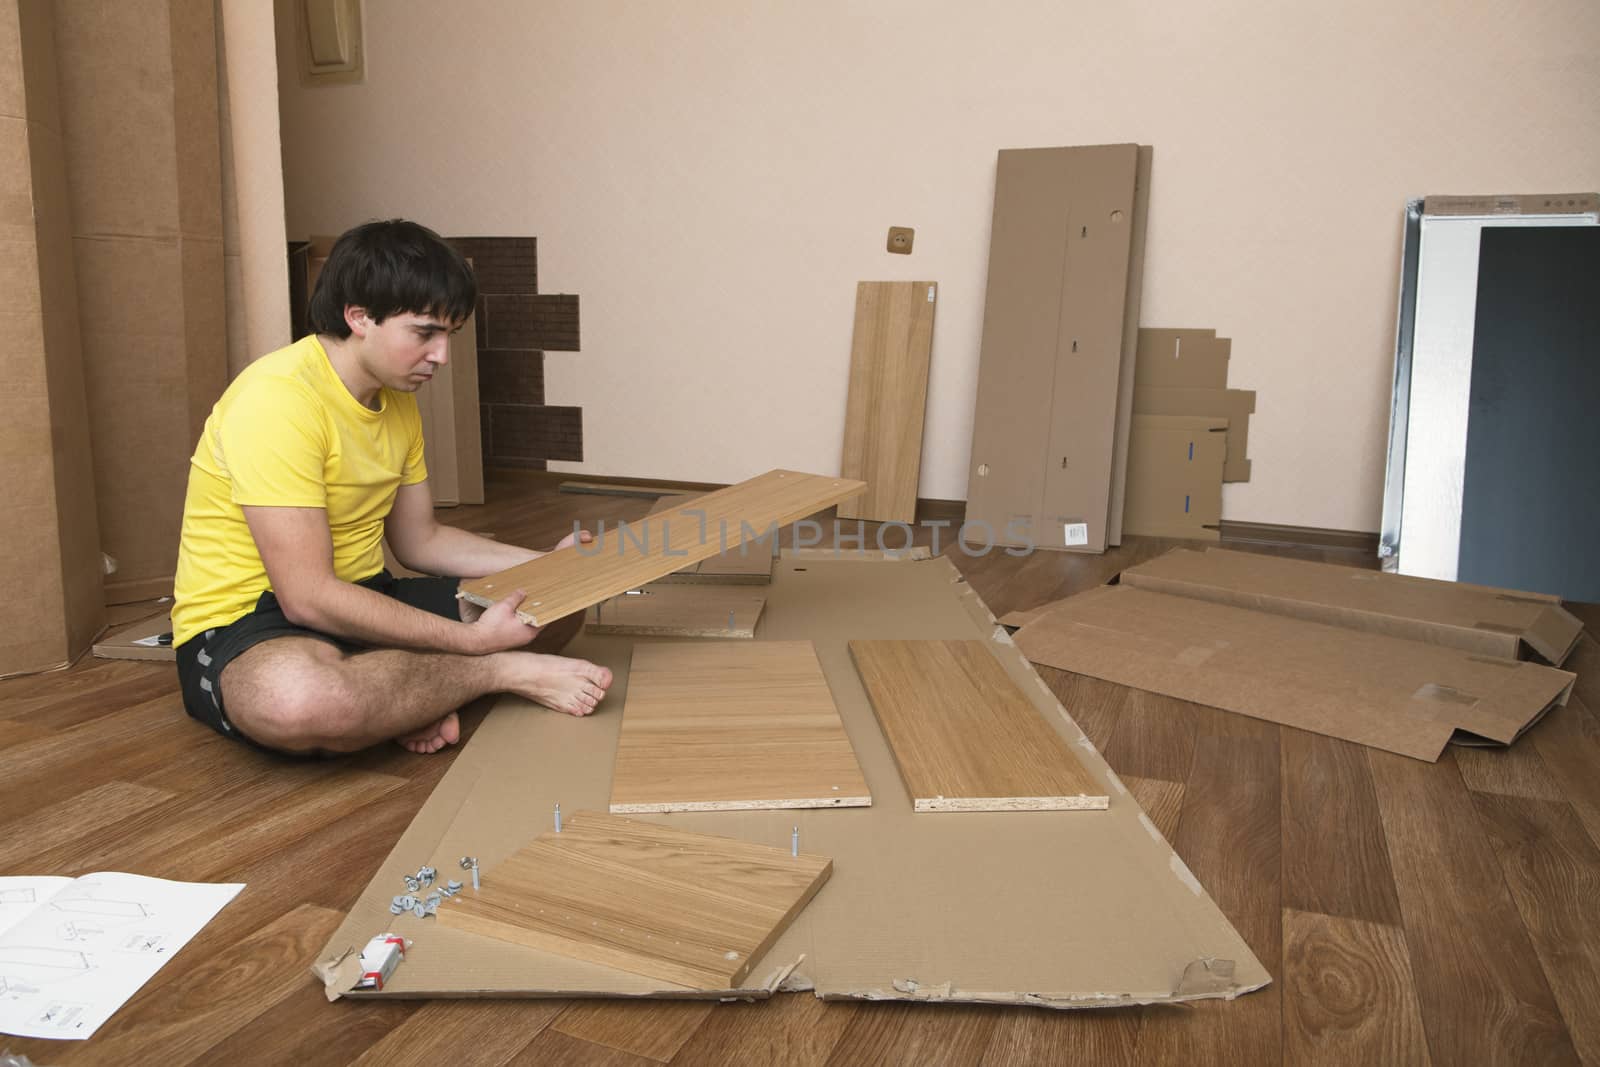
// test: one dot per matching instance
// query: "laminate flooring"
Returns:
(1409, 912)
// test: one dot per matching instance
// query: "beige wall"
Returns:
(714, 177)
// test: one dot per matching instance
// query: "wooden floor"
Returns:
(1409, 912)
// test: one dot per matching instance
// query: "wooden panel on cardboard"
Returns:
(627, 556)
(732, 727)
(963, 736)
(975, 907)
(682, 907)
(1175, 476)
(1474, 618)
(889, 352)
(1130, 347)
(1401, 696)
(1045, 425)
(680, 610)
(1235, 405)
(1182, 358)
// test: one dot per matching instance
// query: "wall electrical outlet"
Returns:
(1077, 533)
(900, 238)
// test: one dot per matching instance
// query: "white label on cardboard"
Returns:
(1077, 533)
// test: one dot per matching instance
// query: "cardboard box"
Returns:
(1177, 359)
(1055, 909)
(50, 569)
(1130, 347)
(1235, 405)
(1473, 618)
(1175, 465)
(1044, 431)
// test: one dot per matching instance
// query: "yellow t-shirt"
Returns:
(287, 433)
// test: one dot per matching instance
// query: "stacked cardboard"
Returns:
(1190, 434)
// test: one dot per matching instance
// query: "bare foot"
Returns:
(573, 686)
(433, 737)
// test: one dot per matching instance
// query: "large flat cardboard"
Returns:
(50, 569)
(1045, 423)
(149, 640)
(889, 351)
(1130, 347)
(1182, 359)
(1235, 405)
(1474, 618)
(1056, 909)
(1175, 465)
(1397, 695)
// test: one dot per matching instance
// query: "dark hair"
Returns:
(390, 268)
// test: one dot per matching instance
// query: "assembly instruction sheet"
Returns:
(73, 950)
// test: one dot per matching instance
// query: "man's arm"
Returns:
(297, 550)
(423, 544)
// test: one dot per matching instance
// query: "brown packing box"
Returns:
(50, 569)
(1045, 424)
(1235, 405)
(1194, 359)
(1175, 465)
(1473, 618)
(1056, 909)
(1400, 696)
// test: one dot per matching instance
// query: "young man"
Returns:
(290, 633)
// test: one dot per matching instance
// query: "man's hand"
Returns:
(573, 538)
(498, 629)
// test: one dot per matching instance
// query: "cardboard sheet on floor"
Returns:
(1053, 908)
(141, 640)
(1474, 618)
(1401, 696)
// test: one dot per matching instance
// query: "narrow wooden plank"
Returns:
(1230, 838)
(888, 1035)
(1483, 997)
(695, 909)
(748, 563)
(786, 1030)
(1568, 740)
(1552, 869)
(15, 733)
(485, 1033)
(889, 351)
(730, 727)
(654, 1029)
(555, 1049)
(1104, 1038)
(963, 735)
(109, 805)
(560, 583)
(681, 610)
(1348, 993)
(1334, 860)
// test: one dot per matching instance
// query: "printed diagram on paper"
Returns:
(73, 950)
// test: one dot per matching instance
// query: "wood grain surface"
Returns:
(623, 558)
(748, 563)
(694, 909)
(964, 737)
(889, 352)
(730, 727)
(663, 610)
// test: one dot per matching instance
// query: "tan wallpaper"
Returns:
(714, 177)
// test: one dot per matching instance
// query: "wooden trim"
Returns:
(1266, 533)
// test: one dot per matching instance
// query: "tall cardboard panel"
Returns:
(138, 86)
(50, 567)
(1053, 325)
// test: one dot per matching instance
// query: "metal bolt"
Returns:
(794, 842)
(558, 816)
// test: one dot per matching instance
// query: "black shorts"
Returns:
(201, 658)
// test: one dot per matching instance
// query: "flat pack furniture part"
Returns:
(1046, 416)
(1130, 345)
(437, 406)
(964, 737)
(732, 727)
(1400, 696)
(1428, 417)
(889, 351)
(682, 907)
(680, 610)
(1235, 405)
(628, 556)
(1175, 465)
(747, 563)
(1477, 619)
(139, 640)
(1182, 359)
(983, 907)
